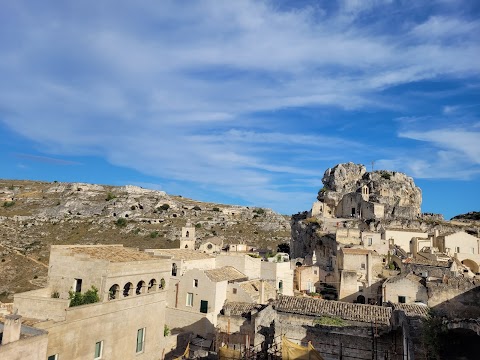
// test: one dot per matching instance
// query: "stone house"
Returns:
(21, 342)
(359, 274)
(335, 327)
(197, 298)
(251, 291)
(307, 279)
(402, 237)
(405, 289)
(211, 245)
(131, 287)
(279, 275)
(463, 246)
(250, 266)
(356, 204)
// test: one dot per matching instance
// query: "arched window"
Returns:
(161, 285)
(114, 292)
(174, 269)
(140, 287)
(187, 234)
(152, 285)
(186, 246)
(127, 289)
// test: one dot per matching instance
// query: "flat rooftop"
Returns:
(112, 253)
(181, 254)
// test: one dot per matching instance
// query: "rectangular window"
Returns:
(78, 285)
(189, 299)
(402, 299)
(315, 272)
(234, 290)
(98, 350)
(473, 250)
(53, 357)
(140, 340)
(195, 282)
(370, 241)
(362, 266)
(203, 306)
(457, 249)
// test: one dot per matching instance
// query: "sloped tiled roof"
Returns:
(214, 240)
(346, 311)
(241, 308)
(226, 273)
(252, 287)
(351, 251)
(412, 309)
(419, 261)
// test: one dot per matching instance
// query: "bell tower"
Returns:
(188, 237)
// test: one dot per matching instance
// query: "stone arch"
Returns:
(186, 246)
(152, 285)
(161, 284)
(187, 233)
(471, 264)
(360, 299)
(114, 292)
(127, 289)
(140, 287)
(298, 264)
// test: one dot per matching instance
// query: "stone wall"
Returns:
(455, 297)
(29, 348)
(179, 320)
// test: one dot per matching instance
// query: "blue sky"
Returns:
(243, 102)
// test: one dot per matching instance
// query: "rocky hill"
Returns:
(34, 215)
(395, 191)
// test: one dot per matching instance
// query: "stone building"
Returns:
(187, 241)
(279, 275)
(402, 237)
(358, 272)
(197, 298)
(21, 342)
(405, 289)
(465, 247)
(131, 287)
(307, 279)
(250, 266)
(211, 245)
(251, 291)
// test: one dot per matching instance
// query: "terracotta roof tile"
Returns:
(241, 308)
(346, 311)
(226, 273)
(413, 309)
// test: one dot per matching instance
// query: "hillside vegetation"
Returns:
(36, 214)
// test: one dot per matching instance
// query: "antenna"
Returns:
(373, 162)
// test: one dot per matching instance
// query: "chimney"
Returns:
(11, 328)
(262, 292)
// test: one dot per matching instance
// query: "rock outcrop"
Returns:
(395, 191)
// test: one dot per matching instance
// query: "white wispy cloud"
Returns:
(175, 91)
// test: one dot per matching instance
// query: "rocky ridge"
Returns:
(35, 215)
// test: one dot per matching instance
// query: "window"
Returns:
(457, 249)
(473, 250)
(174, 269)
(98, 350)
(362, 266)
(53, 357)
(203, 306)
(189, 299)
(195, 282)
(315, 272)
(234, 290)
(402, 299)
(370, 241)
(140, 340)
(78, 285)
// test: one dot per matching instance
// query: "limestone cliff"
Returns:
(394, 190)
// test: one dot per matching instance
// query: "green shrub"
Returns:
(110, 196)
(8, 204)
(132, 207)
(164, 207)
(330, 321)
(121, 222)
(154, 234)
(55, 295)
(198, 226)
(216, 209)
(385, 175)
(166, 330)
(259, 211)
(196, 207)
(90, 297)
